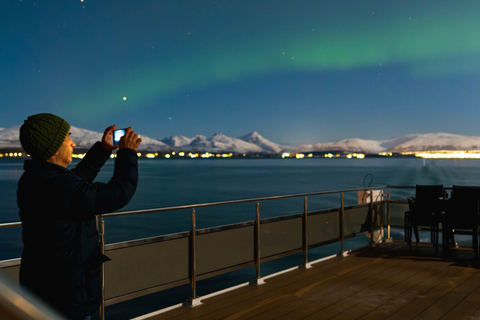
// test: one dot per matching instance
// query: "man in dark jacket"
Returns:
(61, 260)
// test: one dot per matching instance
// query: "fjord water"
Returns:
(174, 182)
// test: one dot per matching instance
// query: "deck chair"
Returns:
(463, 212)
(424, 210)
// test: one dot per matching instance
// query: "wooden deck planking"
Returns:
(322, 289)
(330, 293)
(336, 298)
(468, 306)
(367, 300)
(374, 283)
(348, 298)
(331, 286)
(475, 316)
(426, 293)
(257, 293)
(448, 301)
(299, 298)
(258, 296)
(398, 295)
(326, 302)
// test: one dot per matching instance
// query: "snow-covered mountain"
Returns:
(84, 138)
(220, 143)
(254, 143)
(347, 145)
(177, 141)
(409, 142)
(153, 145)
(224, 143)
(198, 143)
(433, 141)
(263, 143)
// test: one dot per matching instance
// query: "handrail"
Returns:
(401, 187)
(212, 204)
(10, 224)
(221, 203)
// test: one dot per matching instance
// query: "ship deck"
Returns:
(388, 281)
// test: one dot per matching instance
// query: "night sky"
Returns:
(295, 71)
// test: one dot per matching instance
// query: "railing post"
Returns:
(257, 280)
(193, 300)
(305, 264)
(389, 238)
(102, 251)
(372, 220)
(342, 227)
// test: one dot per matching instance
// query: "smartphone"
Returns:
(117, 134)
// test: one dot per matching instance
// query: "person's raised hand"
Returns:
(107, 138)
(130, 140)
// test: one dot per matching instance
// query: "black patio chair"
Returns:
(463, 213)
(424, 210)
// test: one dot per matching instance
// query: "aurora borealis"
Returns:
(295, 71)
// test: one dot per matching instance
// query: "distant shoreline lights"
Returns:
(446, 154)
(436, 154)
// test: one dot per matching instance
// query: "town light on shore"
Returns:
(448, 154)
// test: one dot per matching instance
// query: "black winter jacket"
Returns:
(61, 260)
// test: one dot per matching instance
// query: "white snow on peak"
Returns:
(223, 143)
(255, 138)
(433, 141)
(153, 145)
(84, 138)
(409, 142)
(177, 141)
(348, 145)
(198, 143)
(220, 143)
(199, 140)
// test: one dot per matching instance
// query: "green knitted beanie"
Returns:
(41, 135)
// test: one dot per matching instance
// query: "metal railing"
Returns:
(192, 234)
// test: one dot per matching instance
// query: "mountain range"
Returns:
(254, 143)
(406, 143)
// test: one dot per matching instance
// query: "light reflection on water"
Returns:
(165, 183)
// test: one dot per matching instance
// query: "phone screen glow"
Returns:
(117, 134)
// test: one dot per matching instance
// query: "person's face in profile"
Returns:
(63, 156)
